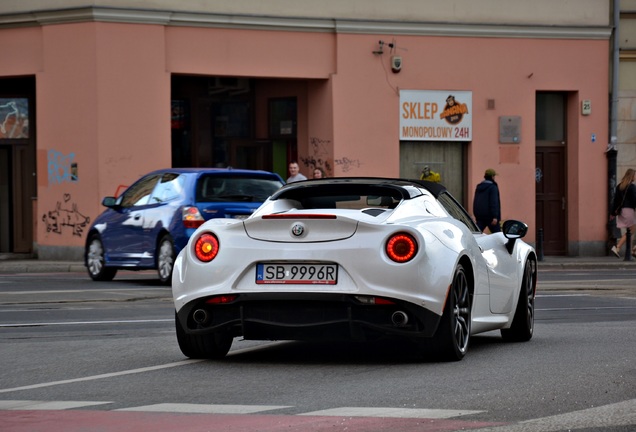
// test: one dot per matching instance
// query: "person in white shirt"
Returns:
(294, 173)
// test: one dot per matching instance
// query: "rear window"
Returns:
(217, 188)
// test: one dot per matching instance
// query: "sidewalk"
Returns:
(9, 265)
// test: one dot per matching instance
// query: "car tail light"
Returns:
(206, 247)
(222, 299)
(191, 217)
(370, 300)
(401, 247)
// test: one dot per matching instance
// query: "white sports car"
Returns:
(354, 258)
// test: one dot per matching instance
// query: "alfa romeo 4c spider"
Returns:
(359, 259)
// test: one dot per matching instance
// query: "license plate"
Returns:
(319, 274)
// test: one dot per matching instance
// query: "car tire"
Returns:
(165, 259)
(450, 342)
(522, 326)
(209, 346)
(95, 261)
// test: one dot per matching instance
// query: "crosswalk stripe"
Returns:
(597, 418)
(29, 405)
(391, 412)
(186, 408)
(204, 408)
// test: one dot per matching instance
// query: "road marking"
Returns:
(45, 405)
(186, 408)
(586, 308)
(67, 291)
(84, 323)
(134, 371)
(101, 376)
(618, 414)
(205, 408)
(391, 412)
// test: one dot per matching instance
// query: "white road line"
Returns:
(45, 405)
(391, 412)
(107, 375)
(134, 371)
(26, 292)
(618, 414)
(585, 308)
(36, 324)
(204, 408)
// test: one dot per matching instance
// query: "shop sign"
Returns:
(436, 115)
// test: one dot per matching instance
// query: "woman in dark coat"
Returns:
(623, 205)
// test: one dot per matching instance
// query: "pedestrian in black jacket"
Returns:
(486, 204)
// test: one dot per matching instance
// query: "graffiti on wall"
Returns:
(347, 164)
(65, 214)
(14, 118)
(318, 155)
(61, 168)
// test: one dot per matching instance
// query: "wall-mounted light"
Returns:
(396, 64)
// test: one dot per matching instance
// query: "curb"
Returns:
(35, 266)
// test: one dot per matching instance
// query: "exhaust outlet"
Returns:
(200, 316)
(399, 319)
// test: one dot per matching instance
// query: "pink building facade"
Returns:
(105, 95)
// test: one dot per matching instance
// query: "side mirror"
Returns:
(513, 230)
(109, 202)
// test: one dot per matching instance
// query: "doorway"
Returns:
(17, 164)
(6, 207)
(551, 171)
(448, 159)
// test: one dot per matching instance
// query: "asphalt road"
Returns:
(79, 355)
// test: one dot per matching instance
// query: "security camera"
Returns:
(396, 64)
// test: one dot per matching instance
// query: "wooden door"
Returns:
(551, 205)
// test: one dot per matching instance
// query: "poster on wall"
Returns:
(14, 118)
(436, 115)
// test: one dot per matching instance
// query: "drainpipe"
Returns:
(612, 151)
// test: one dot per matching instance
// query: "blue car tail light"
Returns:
(191, 217)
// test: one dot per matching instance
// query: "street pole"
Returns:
(612, 151)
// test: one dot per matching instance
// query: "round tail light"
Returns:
(206, 247)
(401, 247)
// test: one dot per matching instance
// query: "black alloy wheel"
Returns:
(452, 338)
(522, 326)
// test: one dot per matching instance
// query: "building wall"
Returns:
(626, 113)
(103, 92)
(546, 12)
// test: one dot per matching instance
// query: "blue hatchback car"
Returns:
(147, 225)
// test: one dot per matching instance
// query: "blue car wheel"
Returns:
(165, 259)
(95, 262)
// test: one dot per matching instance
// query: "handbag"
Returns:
(618, 209)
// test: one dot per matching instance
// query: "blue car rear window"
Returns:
(218, 188)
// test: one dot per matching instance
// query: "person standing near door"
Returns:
(623, 205)
(294, 173)
(486, 204)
